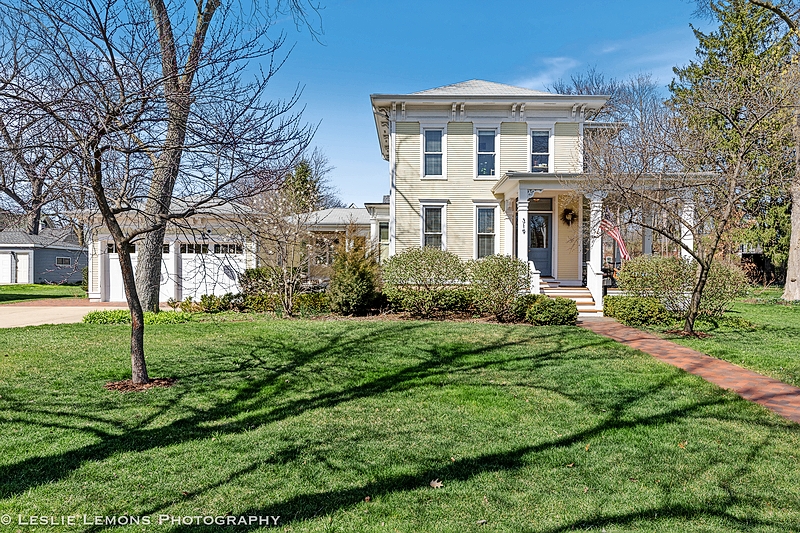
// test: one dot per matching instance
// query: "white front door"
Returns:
(23, 268)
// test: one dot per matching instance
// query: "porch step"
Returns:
(580, 295)
(548, 283)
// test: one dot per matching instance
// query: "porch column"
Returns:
(594, 268)
(686, 224)
(522, 228)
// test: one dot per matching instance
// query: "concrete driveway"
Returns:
(55, 311)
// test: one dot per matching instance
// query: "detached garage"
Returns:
(52, 256)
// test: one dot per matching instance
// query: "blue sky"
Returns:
(405, 46)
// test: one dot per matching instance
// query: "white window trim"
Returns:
(423, 129)
(485, 204)
(432, 203)
(496, 129)
(551, 141)
(68, 263)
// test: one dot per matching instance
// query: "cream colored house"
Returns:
(480, 168)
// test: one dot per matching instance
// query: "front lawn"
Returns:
(341, 425)
(770, 344)
(20, 293)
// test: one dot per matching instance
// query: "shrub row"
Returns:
(312, 302)
(429, 282)
(123, 316)
(671, 280)
(636, 311)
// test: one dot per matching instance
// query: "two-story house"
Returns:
(480, 168)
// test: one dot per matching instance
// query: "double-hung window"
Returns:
(433, 153)
(540, 151)
(486, 152)
(383, 240)
(485, 228)
(433, 226)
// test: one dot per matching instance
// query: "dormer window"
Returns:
(540, 151)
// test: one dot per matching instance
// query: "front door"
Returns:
(540, 247)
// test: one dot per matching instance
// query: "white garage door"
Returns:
(5, 267)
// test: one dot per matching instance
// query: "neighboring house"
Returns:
(52, 256)
(328, 227)
(202, 254)
(480, 168)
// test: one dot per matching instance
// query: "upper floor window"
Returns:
(486, 152)
(540, 151)
(433, 152)
(63, 261)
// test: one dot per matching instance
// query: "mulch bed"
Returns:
(129, 386)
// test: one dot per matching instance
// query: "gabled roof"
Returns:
(47, 238)
(339, 216)
(480, 88)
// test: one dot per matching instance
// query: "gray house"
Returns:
(53, 256)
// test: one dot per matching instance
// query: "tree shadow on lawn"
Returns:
(259, 401)
(315, 505)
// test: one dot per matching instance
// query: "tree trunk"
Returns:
(138, 365)
(694, 304)
(791, 290)
(148, 268)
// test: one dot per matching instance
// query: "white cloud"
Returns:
(552, 69)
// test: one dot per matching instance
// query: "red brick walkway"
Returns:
(775, 395)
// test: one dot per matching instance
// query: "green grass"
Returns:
(771, 343)
(20, 293)
(531, 429)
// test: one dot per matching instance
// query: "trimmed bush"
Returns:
(496, 282)
(667, 279)
(426, 281)
(354, 280)
(258, 281)
(552, 312)
(123, 316)
(112, 316)
(636, 311)
(522, 303)
(260, 303)
(726, 283)
(312, 303)
(210, 303)
(671, 280)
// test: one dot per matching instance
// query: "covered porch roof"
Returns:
(511, 182)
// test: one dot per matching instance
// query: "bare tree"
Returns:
(283, 221)
(668, 171)
(36, 167)
(144, 132)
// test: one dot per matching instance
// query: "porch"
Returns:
(555, 228)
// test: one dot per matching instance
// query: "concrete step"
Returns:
(580, 295)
